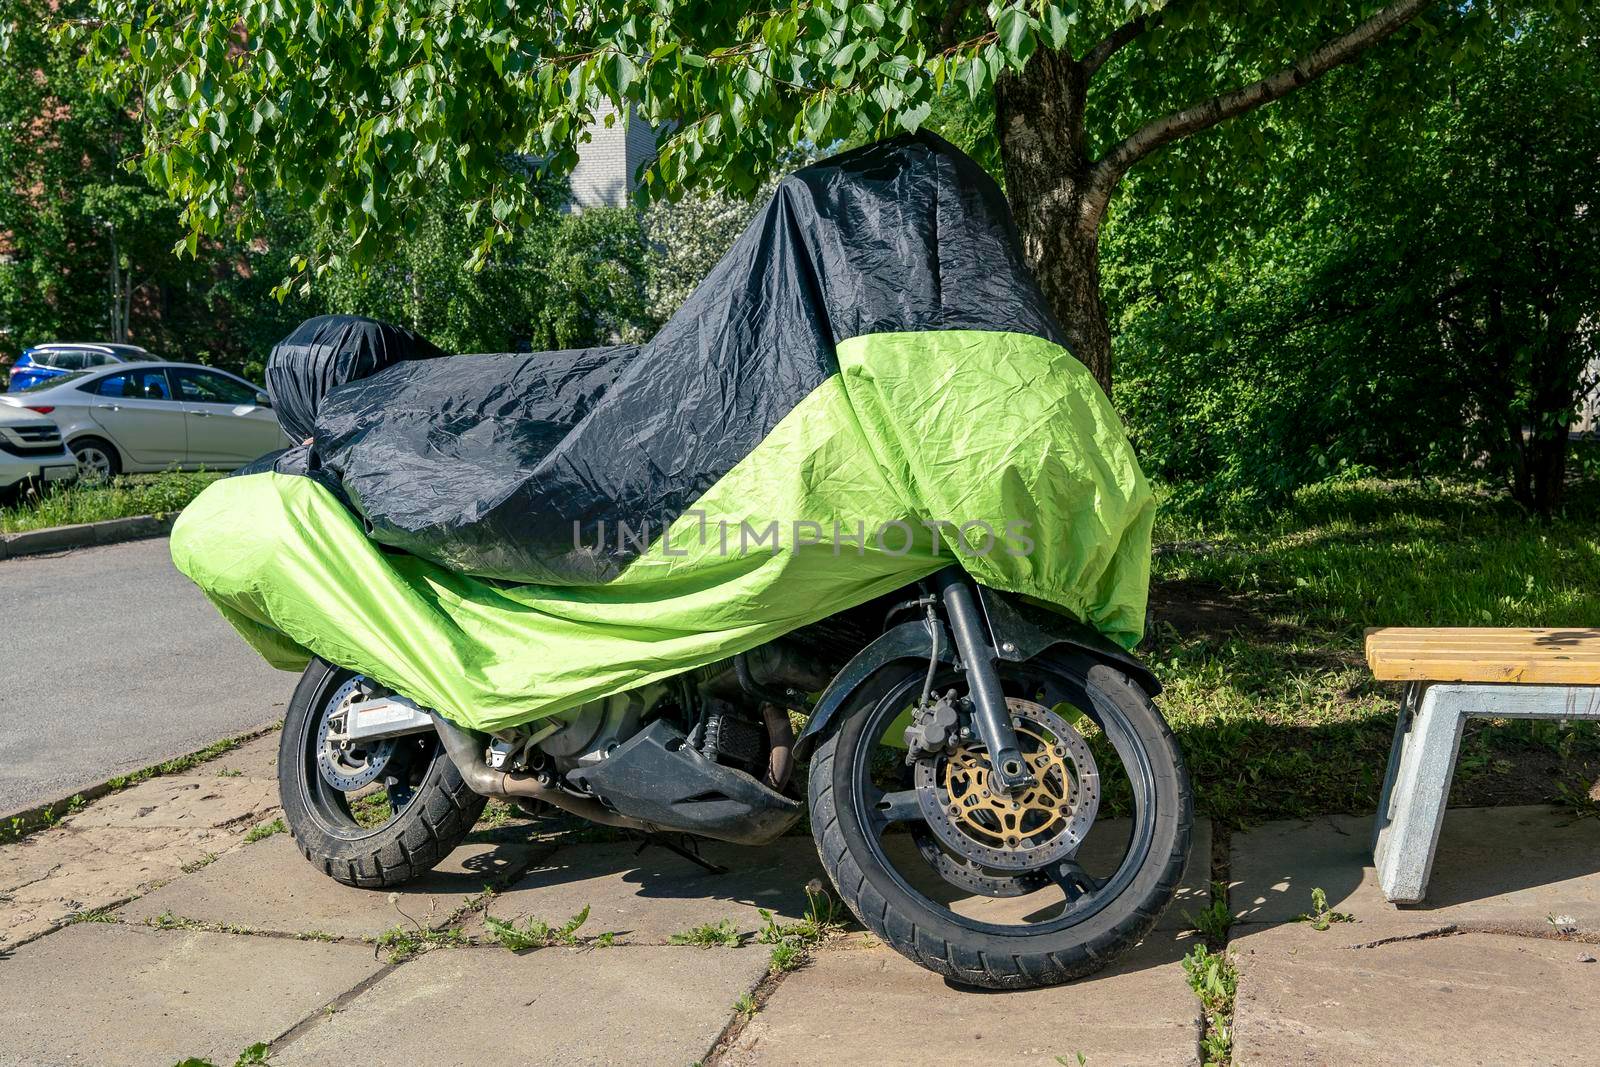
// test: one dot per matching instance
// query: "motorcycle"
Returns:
(991, 787)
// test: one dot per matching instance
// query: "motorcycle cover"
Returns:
(866, 388)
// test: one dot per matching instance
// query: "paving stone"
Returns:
(1308, 997)
(486, 1006)
(271, 886)
(648, 897)
(46, 877)
(109, 995)
(182, 801)
(871, 1005)
(257, 759)
(1514, 867)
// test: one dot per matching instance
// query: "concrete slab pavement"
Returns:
(1497, 967)
(112, 995)
(647, 897)
(269, 886)
(1514, 865)
(872, 1005)
(487, 1007)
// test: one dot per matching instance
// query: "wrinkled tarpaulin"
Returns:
(870, 362)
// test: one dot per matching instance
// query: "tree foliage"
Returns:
(1417, 302)
(360, 111)
(566, 281)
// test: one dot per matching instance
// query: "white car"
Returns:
(31, 451)
(155, 416)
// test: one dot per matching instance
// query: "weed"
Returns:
(786, 956)
(535, 933)
(496, 814)
(229, 772)
(263, 831)
(168, 921)
(194, 865)
(792, 941)
(1578, 800)
(1215, 980)
(316, 935)
(372, 810)
(93, 915)
(1562, 924)
(746, 1006)
(1321, 916)
(254, 1056)
(404, 944)
(1080, 1061)
(1213, 922)
(721, 934)
(606, 940)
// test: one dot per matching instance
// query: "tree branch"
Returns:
(1105, 174)
(1097, 56)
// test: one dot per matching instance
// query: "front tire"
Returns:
(966, 943)
(430, 809)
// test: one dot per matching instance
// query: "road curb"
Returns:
(20, 824)
(84, 535)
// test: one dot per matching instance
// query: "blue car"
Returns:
(44, 362)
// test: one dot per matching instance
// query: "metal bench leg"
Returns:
(1417, 786)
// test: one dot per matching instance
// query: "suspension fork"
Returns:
(990, 714)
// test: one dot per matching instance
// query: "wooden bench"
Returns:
(1452, 674)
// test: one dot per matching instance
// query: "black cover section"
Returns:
(655, 776)
(328, 351)
(501, 465)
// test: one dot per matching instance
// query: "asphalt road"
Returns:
(110, 660)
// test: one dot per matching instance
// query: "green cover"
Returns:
(919, 429)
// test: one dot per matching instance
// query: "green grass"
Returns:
(94, 501)
(1258, 640)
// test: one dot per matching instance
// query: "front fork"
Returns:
(990, 714)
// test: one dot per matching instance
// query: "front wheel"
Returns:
(995, 890)
(376, 814)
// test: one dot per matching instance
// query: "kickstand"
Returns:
(685, 846)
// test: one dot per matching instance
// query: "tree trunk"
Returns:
(1039, 121)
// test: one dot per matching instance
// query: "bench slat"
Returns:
(1551, 655)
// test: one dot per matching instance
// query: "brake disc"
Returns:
(1024, 831)
(344, 764)
(972, 876)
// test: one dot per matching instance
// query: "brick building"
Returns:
(607, 163)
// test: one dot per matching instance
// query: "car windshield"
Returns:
(136, 357)
(51, 383)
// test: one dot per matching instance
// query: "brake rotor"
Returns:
(1029, 829)
(347, 765)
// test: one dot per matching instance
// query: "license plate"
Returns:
(60, 474)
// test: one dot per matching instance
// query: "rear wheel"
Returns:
(375, 814)
(1000, 891)
(97, 458)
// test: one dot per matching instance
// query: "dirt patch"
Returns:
(1197, 608)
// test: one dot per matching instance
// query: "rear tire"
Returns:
(439, 813)
(1000, 957)
(97, 458)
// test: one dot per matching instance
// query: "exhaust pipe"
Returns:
(466, 753)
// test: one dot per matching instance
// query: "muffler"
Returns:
(465, 751)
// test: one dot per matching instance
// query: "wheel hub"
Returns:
(344, 764)
(1030, 828)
